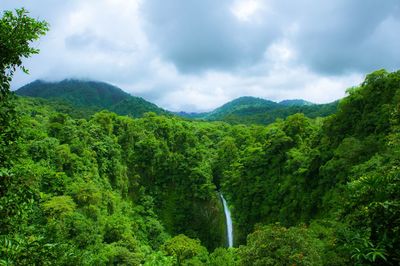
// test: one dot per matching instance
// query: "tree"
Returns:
(187, 251)
(277, 245)
(17, 31)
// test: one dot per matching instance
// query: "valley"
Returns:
(131, 189)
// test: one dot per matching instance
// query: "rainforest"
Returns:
(96, 184)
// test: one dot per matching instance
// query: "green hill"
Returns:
(265, 115)
(135, 107)
(252, 110)
(90, 95)
(243, 105)
(76, 92)
(295, 102)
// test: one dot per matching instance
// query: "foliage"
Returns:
(76, 92)
(17, 31)
(113, 188)
(186, 251)
(276, 245)
(81, 187)
(250, 110)
(224, 257)
(88, 97)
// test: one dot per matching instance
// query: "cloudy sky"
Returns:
(195, 55)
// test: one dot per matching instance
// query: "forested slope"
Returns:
(341, 172)
(251, 110)
(116, 190)
(81, 99)
(88, 97)
(103, 189)
(76, 92)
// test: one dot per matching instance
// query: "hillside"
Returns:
(252, 110)
(295, 102)
(130, 191)
(262, 115)
(246, 104)
(135, 107)
(90, 95)
(76, 92)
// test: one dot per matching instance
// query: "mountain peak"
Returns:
(88, 93)
(76, 92)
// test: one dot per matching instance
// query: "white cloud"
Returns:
(245, 9)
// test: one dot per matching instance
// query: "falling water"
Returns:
(228, 221)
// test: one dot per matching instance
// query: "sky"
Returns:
(195, 55)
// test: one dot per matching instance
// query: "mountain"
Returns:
(295, 102)
(79, 97)
(76, 92)
(190, 115)
(93, 95)
(242, 105)
(136, 107)
(252, 110)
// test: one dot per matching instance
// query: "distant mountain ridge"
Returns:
(240, 104)
(94, 96)
(91, 94)
(253, 110)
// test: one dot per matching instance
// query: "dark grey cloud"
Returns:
(203, 35)
(331, 37)
(342, 35)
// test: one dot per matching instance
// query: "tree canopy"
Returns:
(116, 190)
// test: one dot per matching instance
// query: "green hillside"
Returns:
(135, 107)
(244, 105)
(86, 97)
(266, 115)
(252, 110)
(113, 189)
(76, 92)
(295, 102)
(89, 96)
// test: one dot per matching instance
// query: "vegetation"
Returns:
(295, 102)
(76, 92)
(251, 110)
(81, 99)
(103, 189)
(89, 97)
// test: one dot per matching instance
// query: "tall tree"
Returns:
(17, 32)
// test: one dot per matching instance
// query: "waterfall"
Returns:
(229, 229)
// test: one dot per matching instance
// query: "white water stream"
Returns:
(229, 228)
